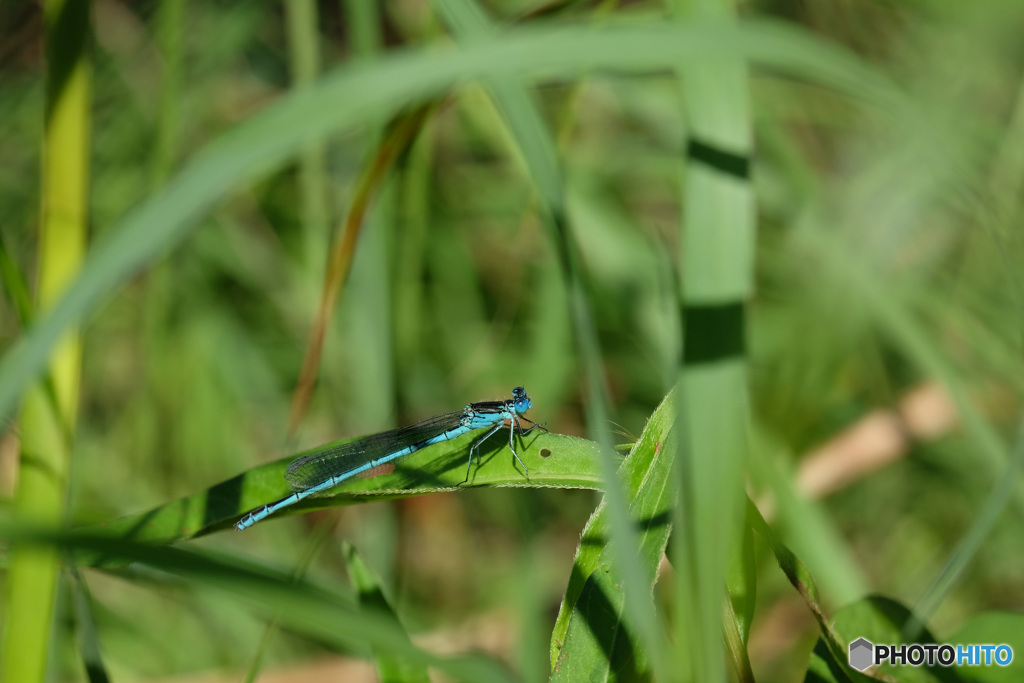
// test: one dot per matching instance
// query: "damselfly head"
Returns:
(520, 401)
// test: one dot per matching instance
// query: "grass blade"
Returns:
(86, 626)
(359, 94)
(538, 147)
(592, 640)
(808, 528)
(301, 605)
(554, 461)
(371, 596)
(803, 582)
(735, 645)
(718, 231)
(741, 582)
(314, 544)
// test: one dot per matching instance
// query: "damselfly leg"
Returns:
(476, 444)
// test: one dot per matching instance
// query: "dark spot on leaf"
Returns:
(545, 452)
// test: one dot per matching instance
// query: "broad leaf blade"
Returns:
(881, 621)
(830, 662)
(589, 641)
(371, 596)
(555, 461)
(994, 628)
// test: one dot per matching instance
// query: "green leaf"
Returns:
(318, 611)
(370, 595)
(735, 645)
(897, 321)
(554, 460)
(826, 667)
(314, 544)
(830, 662)
(880, 620)
(359, 94)
(808, 528)
(996, 628)
(590, 641)
(741, 582)
(525, 121)
(85, 625)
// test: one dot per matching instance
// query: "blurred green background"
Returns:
(887, 258)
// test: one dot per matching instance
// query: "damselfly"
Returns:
(325, 468)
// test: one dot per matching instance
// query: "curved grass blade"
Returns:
(555, 461)
(992, 627)
(358, 94)
(897, 321)
(880, 620)
(735, 643)
(742, 582)
(85, 625)
(537, 144)
(590, 640)
(300, 605)
(314, 544)
(832, 649)
(808, 528)
(1001, 495)
(370, 595)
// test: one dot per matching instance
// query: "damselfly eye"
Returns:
(520, 400)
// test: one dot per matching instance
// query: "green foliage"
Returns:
(592, 638)
(996, 628)
(880, 620)
(371, 597)
(316, 610)
(85, 624)
(49, 406)
(540, 224)
(554, 461)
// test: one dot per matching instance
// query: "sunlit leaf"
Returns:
(590, 640)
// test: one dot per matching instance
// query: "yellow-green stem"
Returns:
(49, 407)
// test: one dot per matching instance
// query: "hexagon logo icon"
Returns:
(861, 654)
